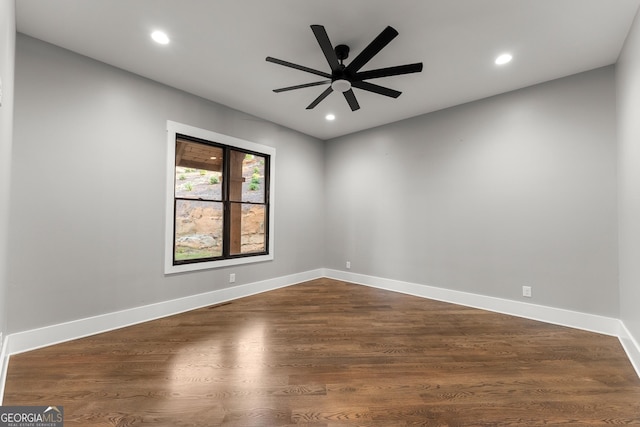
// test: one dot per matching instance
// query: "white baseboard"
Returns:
(54, 334)
(631, 346)
(558, 316)
(37, 338)
(4, 364)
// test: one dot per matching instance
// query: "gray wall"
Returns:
(518, 189)
(7, 60)
(628, 97)
(88, 190)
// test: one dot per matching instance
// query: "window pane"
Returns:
(198, 230)
(248, 228)
(198, 170)
(247, 177)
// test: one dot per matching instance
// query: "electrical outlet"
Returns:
(232, 278)
(348, 264)
(526, 291)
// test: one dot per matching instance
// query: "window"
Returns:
(219, 209)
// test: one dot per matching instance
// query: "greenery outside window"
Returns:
(219, 192)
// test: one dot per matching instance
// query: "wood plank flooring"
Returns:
(328, 353)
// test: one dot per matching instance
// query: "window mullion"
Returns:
(227, 205)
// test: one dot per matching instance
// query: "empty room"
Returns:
(278, 213)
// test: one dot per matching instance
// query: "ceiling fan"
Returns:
(344, 78)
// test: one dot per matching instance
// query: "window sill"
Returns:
(169, 268)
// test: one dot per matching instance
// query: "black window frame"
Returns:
(226, 202)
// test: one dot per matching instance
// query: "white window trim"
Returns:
(174, 128)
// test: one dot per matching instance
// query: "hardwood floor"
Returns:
(329, 353)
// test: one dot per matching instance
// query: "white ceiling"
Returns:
(218, 48)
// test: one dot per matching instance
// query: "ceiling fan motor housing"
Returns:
(342, 52)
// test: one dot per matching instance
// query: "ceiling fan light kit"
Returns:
(341, 85)
(344, 78)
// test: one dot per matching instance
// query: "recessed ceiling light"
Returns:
(330, 117)
(503, 59)
(160, 37)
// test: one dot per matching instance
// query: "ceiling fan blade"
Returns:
(325, 45)
(284, 89)
(351, 100)
(390, 71)
(374, 47)
(376, 89)
(298, 67)
(322, 96)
